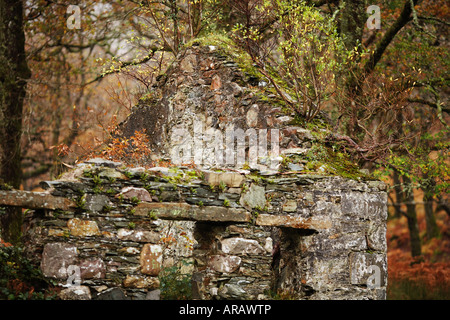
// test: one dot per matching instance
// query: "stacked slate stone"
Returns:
(233, 235)
(311, 227)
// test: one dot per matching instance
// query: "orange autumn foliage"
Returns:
(4, 243)
(424, 277)
(132, 151)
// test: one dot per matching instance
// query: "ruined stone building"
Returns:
(276, 216)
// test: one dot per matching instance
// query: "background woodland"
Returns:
(385, 92)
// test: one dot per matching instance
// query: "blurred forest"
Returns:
(68, 76)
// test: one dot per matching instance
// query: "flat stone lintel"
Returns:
(34, 200)
(293, 222)
(184, 211)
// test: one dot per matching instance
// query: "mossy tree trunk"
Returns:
(430, 219)
(405, 195)
(351, 21)
(352, 17)
(14, 73)
(411, 217)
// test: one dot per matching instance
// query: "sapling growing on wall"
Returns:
(310, 54)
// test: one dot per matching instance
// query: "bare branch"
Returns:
(433, 19)
(430, 104)
(124, 64)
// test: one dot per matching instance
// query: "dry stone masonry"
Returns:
(297, 236)
(293, 225)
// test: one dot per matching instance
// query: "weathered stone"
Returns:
(154, 295)
(235, 190)
(284, 119)
(182, 248)
(303, 134)
(58, 185)
(128, 259)
(93, 268)
(380, 185)
(216, 82)
(184, 211)
(96, 202)
(169, 196)
(83, 228)
(204, 201)
(325, 272)
(129, 251)
(290, 206)
(138, 235)
(103, 163)
(230, 179)
(76, 293)
(163, 170)
(112, 294)
(57, 232)
(188, 63)
(100, 289)
(137, 171)
(111, 174)
(314, 223)
(295, 167)
(229, 196)
(268, 246)
(294, 151)
(368, 268)
(56, 257)
(232, 291)
(139, 193)
(254, 197)
(224, 264)
(365, 205)
(35, 200)
(376, 235)
(140, 282)
(241, 246)
(151, 259)
(252, 116)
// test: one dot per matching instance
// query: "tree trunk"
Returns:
(398, 195)
(351, 20)
(352, 17)
(14, 73)
(430, 219)
(411, 217)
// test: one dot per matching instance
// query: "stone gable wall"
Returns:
(205, 90)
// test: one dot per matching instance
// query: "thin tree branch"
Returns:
(433, 19)
(122, 65)
(430, 104)
(402, 20)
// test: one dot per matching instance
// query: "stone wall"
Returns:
(284, 223)
(235, 235)
(204, 93)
